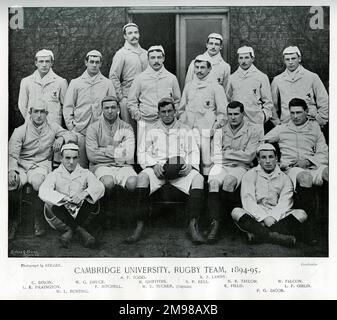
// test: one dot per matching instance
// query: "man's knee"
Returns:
(213, 185)
(143, 180)
(37, 181)
(304, 179)
(131, 183)
(108, 182)
(300, 215)
(198, 181)
(229, 183)
(325, 174)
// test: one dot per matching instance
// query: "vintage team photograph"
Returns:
(168, 131)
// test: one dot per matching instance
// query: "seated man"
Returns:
(267, 198)
(110, 145)
(234, 151)
(169, 153)
(304, 156)
(70, 192)
(31, 148)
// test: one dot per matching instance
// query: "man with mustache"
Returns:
(221, 70)
(298, 82)
(203, 108)
(128, 62)
(43, 84)
(251, 87)
(82, 104)
(149, 87)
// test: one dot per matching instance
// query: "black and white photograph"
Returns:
(168, 131)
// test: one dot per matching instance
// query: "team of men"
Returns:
(212, 132)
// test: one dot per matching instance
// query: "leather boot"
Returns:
(194, 232)
(212, 236)
(13, 225)
(66, 237)
(137, 233)
(282, 239)
(87, 239)
(39, 220)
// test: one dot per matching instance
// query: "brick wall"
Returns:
(71, 32)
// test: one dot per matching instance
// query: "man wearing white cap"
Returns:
(304, 154)
(69, 193)
(43, 84)
(128, 62)
(110, 145)
(203, 107)
(298, 82)
(267, 199)
(251, 87)
(31, 147)
(220, 69)
(149, 87)
(82, 104)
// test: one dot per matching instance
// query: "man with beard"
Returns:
(221, 70)
(127, 63)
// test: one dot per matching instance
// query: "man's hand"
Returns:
(79, 197)
(136, 115)
(302, 163)
(185, 170)
(12, 178)
(269, 221)
(158, 171)
(58, 144)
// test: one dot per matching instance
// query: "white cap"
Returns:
(44, 53)
(204, 57)
(215, 36)
(246, 49)
(94, 53)
(130, 24)
(266, 147)
(156, 48)
(70, 146)
(291, 49)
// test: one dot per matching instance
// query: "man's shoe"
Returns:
(282, 239)
(194, 232)
(87, 239)
(66, 237)
(212, 236)
(39, 229)
(137, 233)
(12, 229)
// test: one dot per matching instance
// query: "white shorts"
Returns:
(219, 172)
(315, 173)
(181, 183)
(119, 174)
(28, 177)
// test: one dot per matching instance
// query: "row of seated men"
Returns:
(169, 152)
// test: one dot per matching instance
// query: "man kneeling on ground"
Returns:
(70, 192)
(267, 199)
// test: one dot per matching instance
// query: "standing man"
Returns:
(221, 70)
(267, 198)
(110, 145)
(82, 104)
(149, 87)
(31, 148)
(128, 62)
(298, 82)
(304, 154)
(203, 108)
(70, 192)
(169, 153)
(251, 87)
(235, 147)
(43, 84)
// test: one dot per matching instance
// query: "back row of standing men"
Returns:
(139, 81)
